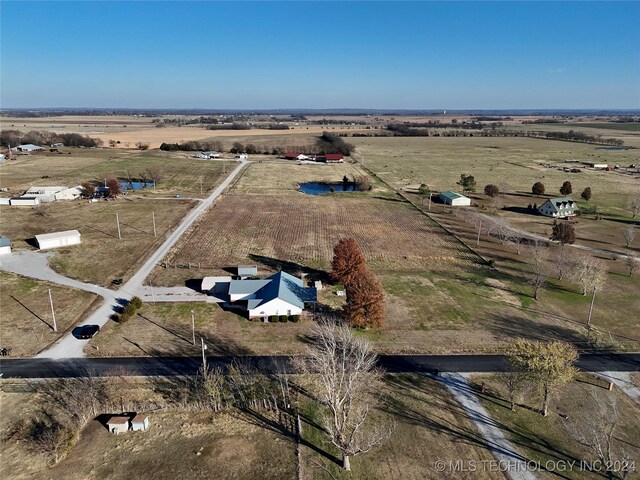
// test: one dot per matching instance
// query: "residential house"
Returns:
(279, 294)
(295, 156)
(560, 207)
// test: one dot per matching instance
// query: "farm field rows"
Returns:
(439, 295)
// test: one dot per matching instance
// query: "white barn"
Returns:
(454, 199)
(50, 194)
(58, 239)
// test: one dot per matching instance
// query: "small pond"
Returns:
(321, 188)
(134, 185)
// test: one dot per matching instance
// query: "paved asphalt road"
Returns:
(170, 366)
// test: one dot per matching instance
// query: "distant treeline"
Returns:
(194, 146)
(333, 121)
(16, 137)
(331, 143)
(542, 120)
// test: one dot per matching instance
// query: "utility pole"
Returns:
(193, 328)
(118, 222)
(200, 185)
(479, 229)
(153, 217)
(204, 357)
(593, 297)
(53, 313)
(430, 200)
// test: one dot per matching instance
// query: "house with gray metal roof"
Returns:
(279, 294)
(454, 199)
(560, 207)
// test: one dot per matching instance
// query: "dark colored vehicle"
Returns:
(117, 281)
(85, 331)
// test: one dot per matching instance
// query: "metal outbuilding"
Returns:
(454, 199)
(5, 245)
(118, 424)
(58, 239)
(140, 423)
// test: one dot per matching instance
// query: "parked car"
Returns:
(117, 281)
(84, 332)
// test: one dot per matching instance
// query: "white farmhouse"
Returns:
(454, 199)
(58, 239)
(279, 294)
(560, 207)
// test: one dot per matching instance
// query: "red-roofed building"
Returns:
(295, 156)
(334, 158)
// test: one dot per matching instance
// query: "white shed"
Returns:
(5, 245)
(28, 147)
(118, 424)
(69, 193)
(58, 239)
(5, 201)
(454, 199)
(140, 423)
(25, 202)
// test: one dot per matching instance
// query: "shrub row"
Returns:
(130, 309)
(280, 318)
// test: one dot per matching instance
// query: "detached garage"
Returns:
(58, 239)
(455, 199)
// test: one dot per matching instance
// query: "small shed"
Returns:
(58, 239)
(24, 202)
(454, 199)
(118, 424)
(242, 156)
(245, 271)
(140, 423)
(5, 245)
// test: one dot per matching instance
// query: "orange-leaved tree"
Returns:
(365, 301)
(348, 261)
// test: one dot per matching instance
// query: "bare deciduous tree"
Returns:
(514, 383)
(589, 273)
(633, 263)
(539, 272)
(344, 368)
(50, 438)
(629, 235)
(595, 426)
(564, 259)
(634, 206)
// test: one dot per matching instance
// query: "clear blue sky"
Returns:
(451, 55)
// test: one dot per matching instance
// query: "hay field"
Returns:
(25, 323)
(512, 163)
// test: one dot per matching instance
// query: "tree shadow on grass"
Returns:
(421, 391)
(292, 268)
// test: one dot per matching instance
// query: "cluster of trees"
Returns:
(491, 190)
(364, 307)
(194, 146)
(16, 137)
(570, 136)
(467, 182)
(331, 143)
(229, 126)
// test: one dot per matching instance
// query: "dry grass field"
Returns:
(246, 444)
(102, 256)
(549, 439)
(178, 445)
(430, 427)
(439, 296)
(25, 319)
(180, 173)
(511, 163)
